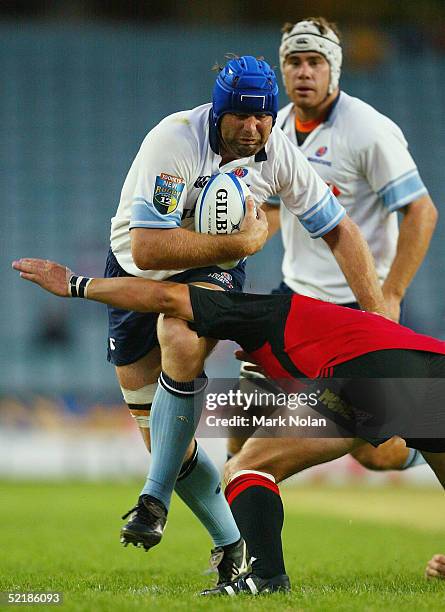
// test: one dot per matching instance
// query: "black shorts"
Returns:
(386, 393)
(131, 335)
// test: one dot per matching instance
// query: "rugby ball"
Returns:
(221, 207)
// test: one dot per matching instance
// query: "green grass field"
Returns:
(346, 549)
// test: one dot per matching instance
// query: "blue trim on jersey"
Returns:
(144, 214)
(402, 190)
(322, 217)
(240, 191)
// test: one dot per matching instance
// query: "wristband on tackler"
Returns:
(78, 285)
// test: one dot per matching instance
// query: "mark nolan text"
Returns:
(263, 421)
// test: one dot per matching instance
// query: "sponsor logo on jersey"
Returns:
(240, 172)
(321, 151)
(317, 160)
(201, 182)
(167, 193)
(224, 278)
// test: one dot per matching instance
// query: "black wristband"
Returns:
(78, 285)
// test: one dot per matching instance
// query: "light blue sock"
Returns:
(199, 486)
(414, 458)
(174, 417)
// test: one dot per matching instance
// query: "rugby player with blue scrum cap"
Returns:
(294, 336)
(364, 157)
(151, 239)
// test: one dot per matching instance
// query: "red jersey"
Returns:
(319, 335)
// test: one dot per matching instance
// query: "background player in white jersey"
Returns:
(364, 158)
(151, 238)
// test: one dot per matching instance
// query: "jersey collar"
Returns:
(329, 118)
(214, 140)
(330, 114)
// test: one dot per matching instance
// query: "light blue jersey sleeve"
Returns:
(323, 216)
(389, 167)
(401, 191)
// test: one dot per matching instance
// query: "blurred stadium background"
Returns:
(83, 82)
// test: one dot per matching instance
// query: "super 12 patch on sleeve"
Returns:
(167, 193)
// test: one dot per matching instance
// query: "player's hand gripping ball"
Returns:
(221, 207)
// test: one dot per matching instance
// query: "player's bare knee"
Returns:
(388, 456)
(252, 459)
(182, 350)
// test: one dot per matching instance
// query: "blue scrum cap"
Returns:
(245, 85)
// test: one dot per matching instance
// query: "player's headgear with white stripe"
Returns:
(245, 85)
(304, 37)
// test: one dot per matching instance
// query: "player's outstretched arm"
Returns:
(128, 293)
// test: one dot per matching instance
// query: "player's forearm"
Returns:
(137, 294)
(415, 235)
(179, 248)
(357, 264)
(142, 295)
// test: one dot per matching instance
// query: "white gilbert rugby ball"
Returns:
(221, 207)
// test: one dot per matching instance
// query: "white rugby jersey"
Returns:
(364, 158)
(179, 156)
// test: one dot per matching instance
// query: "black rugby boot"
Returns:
(229, 561)
(251, 584)
(146, 525)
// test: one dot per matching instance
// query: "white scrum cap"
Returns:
(304, 37)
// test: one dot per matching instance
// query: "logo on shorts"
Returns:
(332, 401)
(112, 344)
(336, 404)
(240, 172)
(167, 193)
(224, 278)
(321, 151)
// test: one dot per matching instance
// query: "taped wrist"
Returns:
(78, 286)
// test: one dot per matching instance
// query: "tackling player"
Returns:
(290, 336)
(364, 158)
(151, 238)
